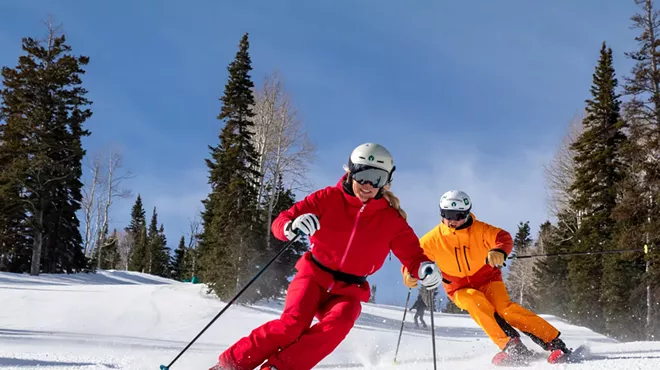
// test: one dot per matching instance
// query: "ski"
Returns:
(579, 354)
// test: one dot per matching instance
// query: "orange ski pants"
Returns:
(484, 303)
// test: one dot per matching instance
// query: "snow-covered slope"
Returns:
(132, 321)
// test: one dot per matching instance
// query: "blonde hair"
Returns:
(394, 201)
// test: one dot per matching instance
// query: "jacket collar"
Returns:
(444, 229)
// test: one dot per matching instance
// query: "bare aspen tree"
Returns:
(284, 147)
(98, 222)
(264, 125)
(106, 242)
(560, 174)
(125, 245)
(97, 208)
(89, 203)
(111, 190)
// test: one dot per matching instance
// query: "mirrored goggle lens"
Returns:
(374, 176)
(454, 215)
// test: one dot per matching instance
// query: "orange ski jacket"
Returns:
(461, 253)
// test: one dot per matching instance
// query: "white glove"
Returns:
(429, 275)
(307, 224)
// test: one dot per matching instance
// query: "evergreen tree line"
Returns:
(261, 160)
(605, 181)
(42, 112)
(143, 247)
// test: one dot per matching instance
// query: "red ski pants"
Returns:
(289, 343)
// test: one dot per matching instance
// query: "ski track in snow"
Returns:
(132, 321)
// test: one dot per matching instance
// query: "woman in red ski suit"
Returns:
(351, 227)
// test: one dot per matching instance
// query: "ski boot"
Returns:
(558, 351)
(560, 354)
(515, 353)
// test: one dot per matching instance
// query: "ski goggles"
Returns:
(454, 215)
(369, 175)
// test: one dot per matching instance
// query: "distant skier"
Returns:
(420, 306)
(362, 221)
(469, 253)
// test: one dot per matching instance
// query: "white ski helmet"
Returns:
(455, 205)
(371, 163)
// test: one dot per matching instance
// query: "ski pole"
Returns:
(432, 307)
(405, 310)
(578, 253)
(286, 246)
(513, 256)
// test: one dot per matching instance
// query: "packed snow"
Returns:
(133, 321)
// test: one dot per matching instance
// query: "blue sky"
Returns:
(466, 96)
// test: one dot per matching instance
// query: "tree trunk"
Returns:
(90, 212)
(279, 152)
(98, 265)
(37, 242)
(649, 301)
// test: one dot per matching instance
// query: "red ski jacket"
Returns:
(354, 238)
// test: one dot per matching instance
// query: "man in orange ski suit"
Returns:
(469, 253)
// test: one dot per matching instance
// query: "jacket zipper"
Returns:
(457, 261)
(456, 250)
(350, 240)
(466, 259)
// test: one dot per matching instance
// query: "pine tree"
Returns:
(231, 218)
(638, 210)
(598, 171)
(153, 243)
(178, 266)
(550, 273)
(43, 110)
(15, 238)
(162, 256)
(519, 280)
(156, 258)
(63, 251)
(138, 230)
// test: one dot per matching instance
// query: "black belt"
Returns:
(341, 276)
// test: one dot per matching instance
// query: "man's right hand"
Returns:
(408, 279)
